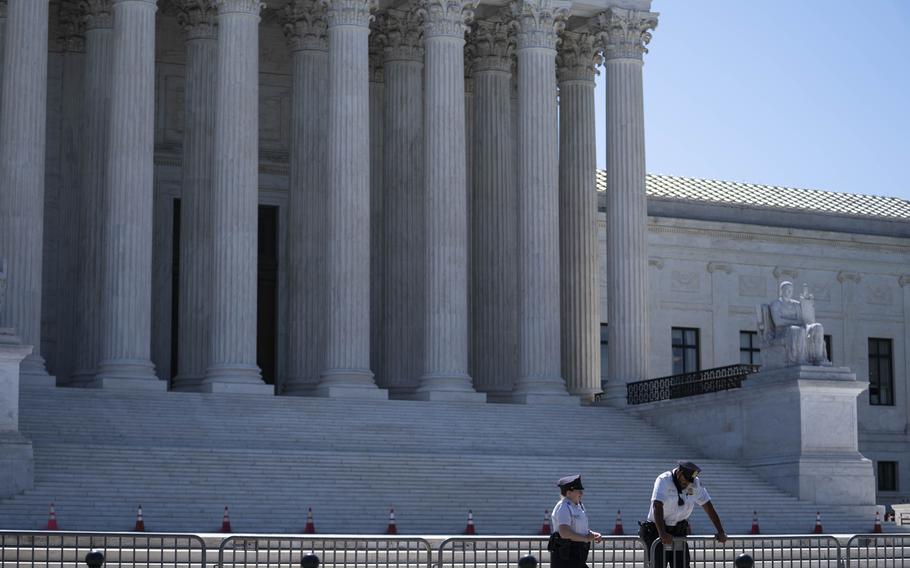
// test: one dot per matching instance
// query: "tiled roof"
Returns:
(767, 196)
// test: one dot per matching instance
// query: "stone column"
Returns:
(23, 113)
(904, 282)
(403, 200)
(305, 29)
(624, 34)
(469, 192)
(540, 369)
(377, 241)
(347, 365)
(724, 329)
(90, 241)
(2, 35)
(579, 284)
(446, 365)
(232, 363)
(197, 17)
(494, 216)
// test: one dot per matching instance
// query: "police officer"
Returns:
(674, 497)
(571, 539)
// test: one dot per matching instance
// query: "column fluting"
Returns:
(540, 370)
(197, 18)
(90, 240)
(232, 364)
(494, 214)
(579, 283)
(23, 114)
(446, 356)
(624, 34)
(403, 199)
(305, 29)
(377, 209)
(347, 365)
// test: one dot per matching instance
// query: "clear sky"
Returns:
(802, 93)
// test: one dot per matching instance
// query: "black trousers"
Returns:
(678, 558)
(565, 553)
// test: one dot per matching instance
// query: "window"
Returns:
(685, 350)
(881, 374)
(829, 351)
(749, 353)
(603, 352)
(887, 476)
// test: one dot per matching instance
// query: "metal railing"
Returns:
(332, 551)
(798, 551)
(505, 552)
(688, 384)
(68, 549)
(878, 551)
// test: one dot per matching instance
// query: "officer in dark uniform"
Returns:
(571, 539)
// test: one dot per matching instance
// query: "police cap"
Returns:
(689, 467)
(570, 482)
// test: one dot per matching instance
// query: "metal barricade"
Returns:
(505, 551)
(60, 549)
(263, 551)
(796, 551)
(878, 551)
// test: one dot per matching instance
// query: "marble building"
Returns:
(352, 199)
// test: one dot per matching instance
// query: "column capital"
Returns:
(97, 14)
(198, 19)
(492, 46)
(447, 17)
(72, 27)
(625, 33)
(577, 56)
(349, 12)
(249, 7)
(375, 55)
(537, 22)
(304, 25)
(400, 33)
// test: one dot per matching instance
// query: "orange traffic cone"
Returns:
(818, 524)
(140, 524)
(877, 526)
(52, 519)
(226, 521)
(755, 529)
(469, 528)
(392, 528)
(617, 528)
(545, 529)
(310, 528)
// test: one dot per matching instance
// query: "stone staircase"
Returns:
(184, 456)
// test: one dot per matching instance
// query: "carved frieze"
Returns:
(625, 33)
(446, 17)
(304, 25)
(492, 45)
(537, 22)
(577, 57)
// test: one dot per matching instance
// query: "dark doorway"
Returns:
(267, 294)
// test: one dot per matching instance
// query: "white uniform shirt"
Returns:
(567, 513)
(665, 492)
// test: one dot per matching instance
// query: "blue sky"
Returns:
(800, 93)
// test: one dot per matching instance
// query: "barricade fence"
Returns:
(59, 549)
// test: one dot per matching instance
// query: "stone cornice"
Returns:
(492, 46)
(400, 33)
(625, 33)
(250, 7)
(537, 22)
(198, 19)
(349, 12)
(305, 26)
(577, 57)
(447, 18)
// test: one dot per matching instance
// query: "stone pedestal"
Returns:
(16, 460)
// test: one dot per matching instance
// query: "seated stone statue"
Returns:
(788, 332)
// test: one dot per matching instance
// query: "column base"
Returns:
(187, 383)
(349, 383)
(127, 374)
(299, 387)
(32, 370)
(234, 378)
(543, 390)
(614, 396)
(121, 383)
(447, 388)
(17, 463)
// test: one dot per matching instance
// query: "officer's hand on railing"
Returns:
(721, 536)
(595, 536)
(666, 538)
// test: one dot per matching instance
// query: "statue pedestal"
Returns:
(800, 433)
(17, 462)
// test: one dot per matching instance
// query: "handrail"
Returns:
(688, 384)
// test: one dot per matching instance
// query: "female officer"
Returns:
(571, 540)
